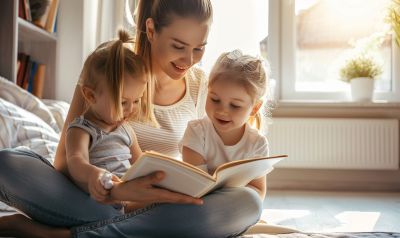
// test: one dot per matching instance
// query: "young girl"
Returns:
(112, 82)
(235, 90)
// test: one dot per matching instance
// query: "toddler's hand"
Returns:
(106, 180)
(95, 187)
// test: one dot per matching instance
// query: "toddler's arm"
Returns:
(192, 157)
(84, 174)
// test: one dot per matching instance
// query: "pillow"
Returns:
(20, 127)
(59, 109)
(22, 98)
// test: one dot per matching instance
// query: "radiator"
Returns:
(336, 143)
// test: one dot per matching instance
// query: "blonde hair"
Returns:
(111, 60)
(245, 70)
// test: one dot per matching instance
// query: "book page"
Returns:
(243, 172)
(179, 177)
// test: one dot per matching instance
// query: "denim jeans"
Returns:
(30, 183)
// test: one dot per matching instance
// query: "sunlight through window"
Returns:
(276, 216)
(357, 221)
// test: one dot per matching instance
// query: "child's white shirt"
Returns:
(200, 136)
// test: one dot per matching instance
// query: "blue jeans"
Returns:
(30, 183)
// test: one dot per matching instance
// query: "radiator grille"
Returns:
(336, 143)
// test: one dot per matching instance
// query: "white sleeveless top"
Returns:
(173, 119)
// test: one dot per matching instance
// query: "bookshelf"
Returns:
(19, 35)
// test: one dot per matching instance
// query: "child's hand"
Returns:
(106, 180)
(95, 187)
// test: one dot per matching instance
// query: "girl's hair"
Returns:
(110, 61)
(245, 70)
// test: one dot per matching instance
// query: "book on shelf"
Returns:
(30, 75)
(23, 59)
(185, 178)
(21, 9)
(52, 15)
(27, 73)
(37, 88)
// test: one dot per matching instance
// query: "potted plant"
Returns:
(393, 17)
(361, 71)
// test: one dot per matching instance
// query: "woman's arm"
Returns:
(136, 151)
(76, 108)
(260, 185)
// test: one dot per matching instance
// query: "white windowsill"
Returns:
(327, 103)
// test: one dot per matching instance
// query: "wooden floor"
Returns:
(312, 211)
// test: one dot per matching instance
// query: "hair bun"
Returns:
(124, 36)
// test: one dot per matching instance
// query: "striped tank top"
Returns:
(173, 119)
(107, 150)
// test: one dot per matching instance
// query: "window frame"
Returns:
(282, 50)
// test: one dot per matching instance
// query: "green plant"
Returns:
(393, 17)
(360, 66)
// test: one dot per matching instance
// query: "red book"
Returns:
(21, 9)
(23, 58)
(27, 6)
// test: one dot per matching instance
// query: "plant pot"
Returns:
(362, 89)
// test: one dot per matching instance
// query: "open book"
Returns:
(185, 178)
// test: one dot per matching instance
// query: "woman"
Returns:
(171, 38)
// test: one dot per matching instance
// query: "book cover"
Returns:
(23, 69)
(28, 69)
(22, 58)
(185, 178)
(32, 76)
(21, 9)
(51, 18)
(38, 84)
(27, 8)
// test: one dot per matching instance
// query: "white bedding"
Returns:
(25, 120)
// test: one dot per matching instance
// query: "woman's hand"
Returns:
(142, 190)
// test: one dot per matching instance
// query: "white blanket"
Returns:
(25, 120)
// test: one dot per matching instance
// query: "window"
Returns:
(243, 25)
(310, 40)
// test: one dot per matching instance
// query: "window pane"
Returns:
(324, 31)
(243, 25)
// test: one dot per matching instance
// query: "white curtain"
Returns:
(102, 19)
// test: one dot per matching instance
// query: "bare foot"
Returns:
(132, 206)
(18, 225)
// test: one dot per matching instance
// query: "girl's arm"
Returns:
(84, 174)
(192, 157)
(260, 185)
